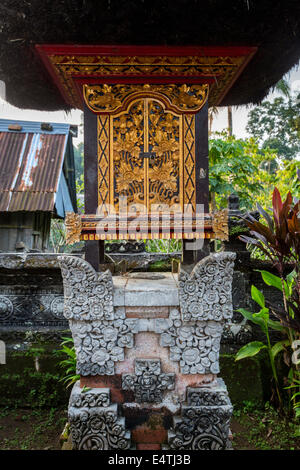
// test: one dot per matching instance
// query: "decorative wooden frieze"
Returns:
(71, 66)
(144, 226)
(112, 99)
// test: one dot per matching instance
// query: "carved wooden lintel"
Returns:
(146, 226)
(112, 99)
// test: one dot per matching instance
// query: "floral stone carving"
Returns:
(100, 334)
(205, 294)
(149, 382)
(204, 422)
(94, 422)
(195, 345)
(88, 294)
(99, 344)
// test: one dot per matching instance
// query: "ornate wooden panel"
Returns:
(147, 154)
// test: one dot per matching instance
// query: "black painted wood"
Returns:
(192, 256)
(94, 250)
(201, 153)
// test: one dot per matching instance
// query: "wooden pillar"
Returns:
(94, 250)
(191, 257)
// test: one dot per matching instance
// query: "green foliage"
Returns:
(250, 349)
(276, 124)
(163, 246)
(32, 389)
(263, 320)
(238, 166)
(78, 159)
(69, 364)
(265, 429)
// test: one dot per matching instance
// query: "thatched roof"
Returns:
(273, 26)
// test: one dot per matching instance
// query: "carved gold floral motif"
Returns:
(223, 70)
(165, 142)
(113, 99)
(127, 166)
(220, 224)
(126, 142)
(73, 227)
(146, 127)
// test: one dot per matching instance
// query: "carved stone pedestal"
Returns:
(94, 421)
(204, 421)
(149, 348)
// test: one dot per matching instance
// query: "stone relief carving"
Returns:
(205, 294)
(195, 345)
(148, 382)
(99, 344)
(94, 422)
(88, 294)
(204, 422)
(100, 334)
(38, 309)
(6, 308)
(208, 396)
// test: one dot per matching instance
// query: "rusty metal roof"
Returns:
(31, 162)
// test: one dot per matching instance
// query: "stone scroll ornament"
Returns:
(194, 334)
(100, 334)
(205, 294)
(94, 421)
(205, 420)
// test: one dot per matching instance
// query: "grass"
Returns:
(31, 429)
(264, 429)
(252, 429)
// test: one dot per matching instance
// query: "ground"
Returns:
(252, 429)
(31, 429)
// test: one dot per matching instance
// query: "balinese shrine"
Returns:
(147, 344)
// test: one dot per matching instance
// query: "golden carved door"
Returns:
(146, 160)
(146, 146)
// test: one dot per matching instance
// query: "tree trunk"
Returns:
(229, 111)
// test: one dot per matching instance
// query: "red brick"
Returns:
(147, 435)
(113, 382)
(147, 312)
(148, 447)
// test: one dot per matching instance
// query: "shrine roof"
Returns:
(37, 167)
(272, 27)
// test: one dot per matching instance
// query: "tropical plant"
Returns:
(279, 240)
(263, 320)
(68, 364)
(295, 387)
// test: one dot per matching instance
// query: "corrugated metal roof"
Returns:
(34, 127)
(31, 161)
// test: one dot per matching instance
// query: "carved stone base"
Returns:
(204, 421)
(94, 421)
(154, 344)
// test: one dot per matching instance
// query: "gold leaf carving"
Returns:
(73, 227)
(114, 98)
(220, 225)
